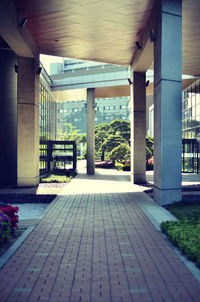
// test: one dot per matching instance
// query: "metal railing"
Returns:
(56, 155)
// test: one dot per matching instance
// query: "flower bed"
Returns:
(5, 227)
(12, 218)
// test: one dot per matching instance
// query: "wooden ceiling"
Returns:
(98, 30)
(102, 30)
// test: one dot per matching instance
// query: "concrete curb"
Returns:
(156, 215)
(13, 248)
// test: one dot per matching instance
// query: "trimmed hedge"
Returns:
(185, 234)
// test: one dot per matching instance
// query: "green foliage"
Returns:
(82, 138)
(149, 166)
(99, 139)
(109, 136)
(102, 127)
(120, 153)
(5, 227)
(70, 134)
(185, 234)
(122, 128)
(58, 177)
(149, 147)
(126, 167)
(185, 209)
(111, 142)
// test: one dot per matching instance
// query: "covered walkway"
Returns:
(99, 241)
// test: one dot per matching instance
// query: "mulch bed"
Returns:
(26, 198)
(4, 246)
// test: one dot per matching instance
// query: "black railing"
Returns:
(56, 155)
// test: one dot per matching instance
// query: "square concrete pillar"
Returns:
(8, 117)
(167, 103)
(138, 128)
(90, 131)
(28, 122)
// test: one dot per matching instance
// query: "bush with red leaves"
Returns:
(11, 211)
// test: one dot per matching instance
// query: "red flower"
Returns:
(150, 160)
(10, 211)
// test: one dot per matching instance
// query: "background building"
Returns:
(108, 109)
(79, 72)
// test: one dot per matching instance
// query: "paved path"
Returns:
(96, 244)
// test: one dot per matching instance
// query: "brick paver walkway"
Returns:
(96, 247)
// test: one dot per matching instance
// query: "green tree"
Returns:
(112, 135)
(121, 127)
(102, 127)
(112, 141)
(120, 153)
(101, 133)
(99, 139)
(71, 133)
(109, 136)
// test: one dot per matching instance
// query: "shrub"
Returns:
(120, 153)
(149, 164)
(104, 164)
(11, 211)
(149, 147)
(58, 177)
(5, 227)
(185, 235)
(126, 167)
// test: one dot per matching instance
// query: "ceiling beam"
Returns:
(143, 57)
(14, 34)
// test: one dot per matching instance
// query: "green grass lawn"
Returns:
(185, 233)
(185, 209)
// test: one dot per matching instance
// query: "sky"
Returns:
(46, 60)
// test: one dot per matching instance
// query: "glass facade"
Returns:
(47, 114)
(48, 123)
(191, 111)
(191, 128)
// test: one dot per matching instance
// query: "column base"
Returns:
(167, 196)
(90, 171)
(28, 182)
(138, 179)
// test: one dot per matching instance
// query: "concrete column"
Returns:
(90, 131)
(138, 128)
(28, 122)
(8, 118)
(167, 103)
